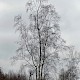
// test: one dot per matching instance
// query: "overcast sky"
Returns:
(69, 11)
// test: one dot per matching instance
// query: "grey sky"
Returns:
(69, 10)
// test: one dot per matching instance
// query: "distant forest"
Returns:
(12, 76)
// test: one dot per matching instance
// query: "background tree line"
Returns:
(12, 76)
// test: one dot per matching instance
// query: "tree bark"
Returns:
(36, 73)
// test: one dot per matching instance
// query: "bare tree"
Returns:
(71, 64)
(40, 39)
(70, 74)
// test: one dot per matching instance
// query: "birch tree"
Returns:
(40, 38)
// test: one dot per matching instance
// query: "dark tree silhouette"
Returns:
(12, 76)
